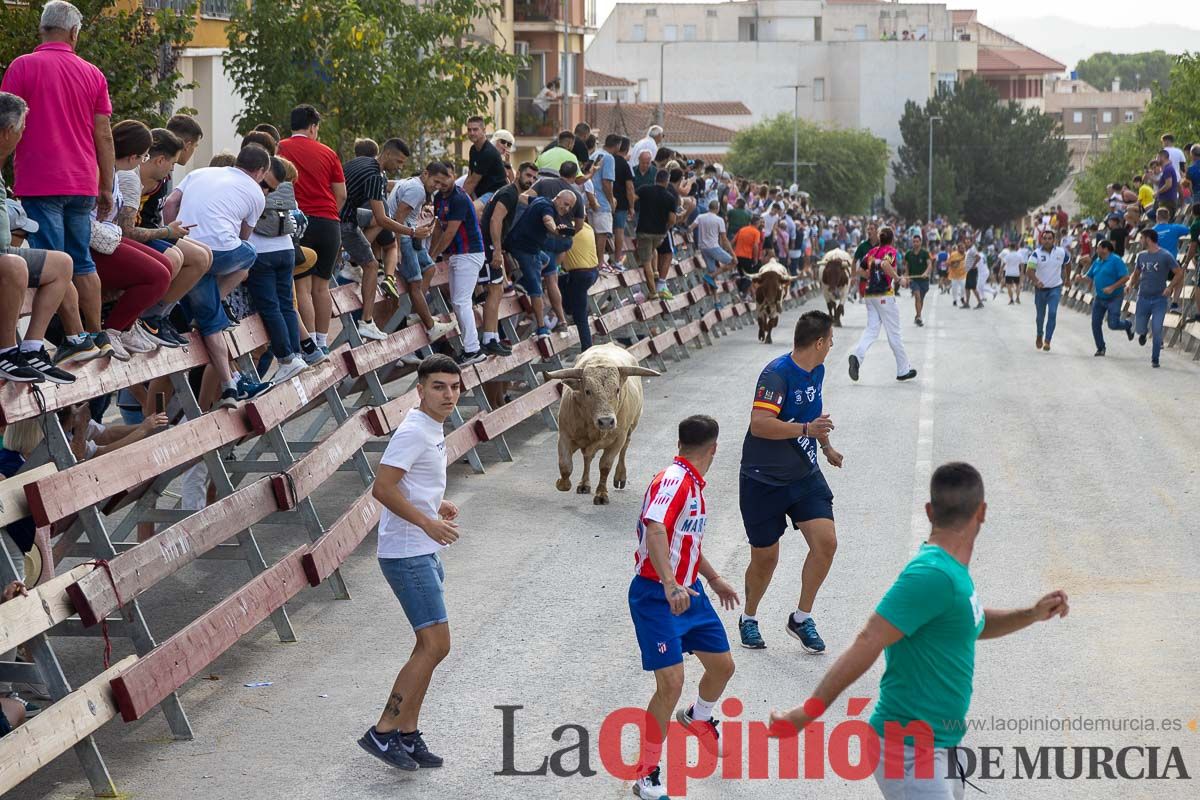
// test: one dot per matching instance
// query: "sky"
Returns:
(1104, 13)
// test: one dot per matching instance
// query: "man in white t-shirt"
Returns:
(1174, 154)
(1011, 259)
(1046, 263)
(415, 524)
(711, 239)
(222, 204)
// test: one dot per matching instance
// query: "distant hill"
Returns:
(1069, 41)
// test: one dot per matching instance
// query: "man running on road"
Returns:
(1046, 263)
(670, 609)
(919, 269)
(879, 269)
(928, 623)
(780, 478)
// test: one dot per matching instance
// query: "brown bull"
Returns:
(835, 282)
(770, 290)
(600, 409)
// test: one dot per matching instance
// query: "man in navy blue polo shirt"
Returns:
(780, 478)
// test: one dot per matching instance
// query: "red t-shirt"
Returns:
(319, 169)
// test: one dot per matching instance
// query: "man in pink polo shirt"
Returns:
(67, 144)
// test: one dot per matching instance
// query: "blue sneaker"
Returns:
(751, 638)
(806, 632)
(542, 333)
(247, 388)
(388, 748)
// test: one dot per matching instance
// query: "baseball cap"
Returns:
(17, 219)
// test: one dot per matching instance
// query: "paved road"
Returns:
(1091, 470)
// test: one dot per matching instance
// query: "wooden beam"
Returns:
(663, 342)
(522, 353)
(632, 277)
(648, 310)
(616, 319)
(688, 332)
(61, 726)
(164, 669)
(710, 320)
(335, 545)
(373, 355)
(490, 425)
(640, 349)
(247, 336)
(319, 464)
(98, 377)
(556, 344)
(46, 605)
(94, 480)
(281, 401)
(13, 505)
(386, 418)
(605, 283)
(461, 440)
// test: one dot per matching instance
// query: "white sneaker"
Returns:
(650, 787)
(134, 340)
(119, 351)
(351, 272)
(440, 329)
(369, 330)
(289, 369)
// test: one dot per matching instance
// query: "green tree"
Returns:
(375, 68)
(1172, 110)
(848, 165)
(1002, 159)
(136, 48)
(1136, 70)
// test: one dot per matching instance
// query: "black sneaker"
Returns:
(1155, 364)
(229, 399)
(68, 353)
(1142, 339)
(14, 367)
(40, 360)
(414, 745)
(466, 359)
(1129, 332)
(806, 632)
(908, 376)
(102, 343)
(155, 330)
(233, 320)
(388, 749)
(1098, 354)
(496, 348)
(853, 367)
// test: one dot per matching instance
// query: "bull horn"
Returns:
(641, 372)
(565, 374)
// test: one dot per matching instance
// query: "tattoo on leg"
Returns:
(393, 704)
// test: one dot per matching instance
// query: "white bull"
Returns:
(600, 409)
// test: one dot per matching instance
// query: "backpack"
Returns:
(277, 219)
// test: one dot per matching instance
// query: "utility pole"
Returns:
(929, 187)
(662, 79)
(796, 87)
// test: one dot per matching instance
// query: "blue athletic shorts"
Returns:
(664, 637)
(766, 509)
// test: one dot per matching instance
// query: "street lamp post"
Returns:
(662, 77)
(796, 87)
(929, 187)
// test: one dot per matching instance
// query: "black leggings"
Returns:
(324, 236)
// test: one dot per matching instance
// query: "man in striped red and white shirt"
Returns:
(671, 612)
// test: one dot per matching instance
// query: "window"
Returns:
(1107, 117)
(651, 12)
(639, 33)
(747, 29)
(1077, 117)
(947, 81)
(712, 12)
(670, 33)
(689, 33)
(569, 73)
(860, 33)
(1129, 116)
(643, 89)
(818, 89)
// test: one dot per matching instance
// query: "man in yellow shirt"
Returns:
(957, 265)
(581, 267)
(1144, 192)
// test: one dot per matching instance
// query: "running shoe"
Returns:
(369, 330)
(854, 364)
(15, 368)
(650, 787)
(40, 361)
(1155, 364)
(167, 330)
(387, 284)
(707, 731)
(414, 745)
(496, 348)
(908, 376)
(315, 357)
(1129, 332)
(1046, 346)
(111, 345)
(228, 399)
(751, 638)
(920, 323)
(135, 340)
(806, 632)
(247, 388)
(289, 369)
(542, 333)
(1098, 354)
(152, 329)
(1142, 339)
(466, 359)
(665, 294)
(388, 749)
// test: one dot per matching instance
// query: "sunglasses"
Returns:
(504, 142)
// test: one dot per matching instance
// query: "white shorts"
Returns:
(601, 221)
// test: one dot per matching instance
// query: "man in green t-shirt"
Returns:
(739, 218)
(926, 624)
(919, 266)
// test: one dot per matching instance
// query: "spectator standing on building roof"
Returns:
(64, 164)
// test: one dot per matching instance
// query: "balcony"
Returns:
(537, 10)
(533, 122)
(553, 15)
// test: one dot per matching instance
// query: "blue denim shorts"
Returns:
(204, 299)
(418, 583)
(620, 220)
(413, 262)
